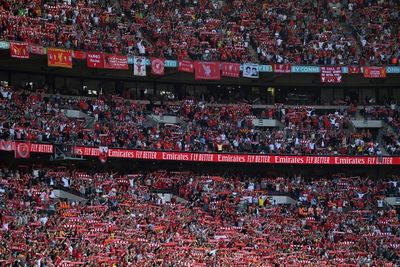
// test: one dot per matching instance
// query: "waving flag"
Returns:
(207, 70)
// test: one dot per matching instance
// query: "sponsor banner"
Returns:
(392, 69)
(331, 74)
(95, 60)
(207, 70)
(79, 55)
(282, 68)
(265, 68)
(4, 45)
(59, 58)
(237, 158)
(115, 62)
(374, 72)
(41, 148)
(38, 50)
(33, 147)
(157, 66)
(354, 70)
(171, 63)
(139, 66)
(306, 69)
(19, 50)
(250, 71)
(186, 66)
(230, 69)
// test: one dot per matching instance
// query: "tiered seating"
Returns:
(230, 221)
(377, 26)
(390, 115)
(209, 128)
(300, 32)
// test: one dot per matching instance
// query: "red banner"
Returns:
(374, 72)
(22, 150)
(207, 70)
(230, 69)
(19, 50)
(186, 66)
(38, 50)
(282, 68)
(238, 158)
(95, 60)
(157, 66)
(116, 62)
(79, 55)
(59, 58)
(331, 74)
(354, 70)
(33, 147)
(103, 154)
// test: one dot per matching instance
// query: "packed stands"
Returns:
(217, 220)
(377, 28)
(359, 33)
(205, 127)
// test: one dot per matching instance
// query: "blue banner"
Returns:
(4, 45)
(306, 69)
(393, 69)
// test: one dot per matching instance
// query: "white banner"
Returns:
(139, 66)
(250, 70)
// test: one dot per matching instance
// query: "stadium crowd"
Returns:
(227, 220)
(351, 32)
(206, 128)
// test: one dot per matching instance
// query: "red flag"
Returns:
(207, 70)
(331, 74)
(186, 66)
(95, 60)
(22, 150)
(115, 62)
(59, 58)
(231, 69)
(6, 145)
(157, 66)
(79, 54)
(354, 70)
(38, 50)
(282, 68)
(374, 72)
(19, 50)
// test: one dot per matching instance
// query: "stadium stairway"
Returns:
(70, 195)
